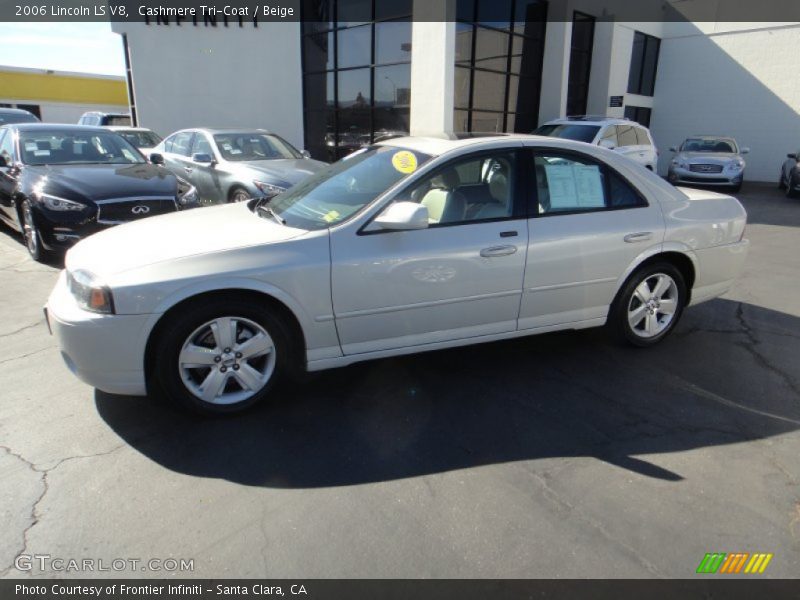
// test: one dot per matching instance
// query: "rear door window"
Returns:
(642, 137)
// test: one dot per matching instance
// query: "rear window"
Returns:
(117, 120)
(570, 131)
(6, 118)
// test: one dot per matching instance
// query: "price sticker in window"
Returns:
(331, 216)
(404, 161)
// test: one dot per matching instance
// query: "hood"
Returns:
(100, 182)
(709, 157)
(289, 170)
(173, 236)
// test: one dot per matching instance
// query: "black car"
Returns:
(60, 183)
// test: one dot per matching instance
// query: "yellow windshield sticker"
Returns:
(404, 161)
(331, 216)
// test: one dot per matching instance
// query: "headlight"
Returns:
(269, 189)
(736, 165)
(89, 293)
(60, 204)
(679, 163)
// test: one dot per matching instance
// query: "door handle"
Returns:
(641, 236)
(498, 251)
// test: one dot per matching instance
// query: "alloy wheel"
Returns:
(652, 305)
(29, 230)
(227, 360)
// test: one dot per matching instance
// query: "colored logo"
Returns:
(404, 161)
(734, 563)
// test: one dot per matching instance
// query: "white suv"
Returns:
(620, 135)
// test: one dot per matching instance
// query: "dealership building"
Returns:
(354, 71)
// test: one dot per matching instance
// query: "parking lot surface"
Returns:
(562, 455)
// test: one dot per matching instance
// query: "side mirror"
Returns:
(156, 158)
(745, 150)
(673, 149)
(3, 163)
(305, 153)
(607, 144)
(790, 155)
(403, 216)
(203, 158)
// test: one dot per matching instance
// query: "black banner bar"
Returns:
(734, 588)
(251, 12)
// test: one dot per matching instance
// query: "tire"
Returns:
(30, 232)
(238, 194)
(790, 193)
(781, 184)
(192, 368)
(736, 188)
(649, 325)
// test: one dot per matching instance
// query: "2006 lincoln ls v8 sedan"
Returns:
(409, 245)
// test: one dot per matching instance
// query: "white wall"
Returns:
(197, 76)
(732, 81)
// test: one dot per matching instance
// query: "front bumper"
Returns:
(676, 176)
(105, 351)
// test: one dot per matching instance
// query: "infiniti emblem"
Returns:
(140, 209)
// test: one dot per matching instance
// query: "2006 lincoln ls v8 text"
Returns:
(409, 245)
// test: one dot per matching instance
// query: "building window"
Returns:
(644, 63)
(640, 114)
(580, 63)
(498, 64)
(356, 73)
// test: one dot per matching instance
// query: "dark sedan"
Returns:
(61, 183)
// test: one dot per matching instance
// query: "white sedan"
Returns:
(409, 245)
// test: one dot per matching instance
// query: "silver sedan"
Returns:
(227, 165)
(708, 160)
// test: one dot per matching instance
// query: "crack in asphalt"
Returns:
(44, 473)
(26, 355)
(750, 347)
(21, 329)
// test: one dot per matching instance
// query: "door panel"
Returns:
(405, 288)
(576, 258)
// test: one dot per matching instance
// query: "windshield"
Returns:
(64, 147)
(141, 139)
(724, 145)
(345, 187)
(254, 146)
(579, 133)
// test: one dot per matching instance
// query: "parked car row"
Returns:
(705, 160)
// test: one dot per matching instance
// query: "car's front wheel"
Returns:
(239, 194)
(649, 305)
(221, 356)
(30, 232)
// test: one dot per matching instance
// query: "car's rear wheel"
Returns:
(239, 194)
(649, 305)
(221, 356)
(30, 232)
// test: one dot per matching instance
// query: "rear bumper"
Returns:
(717, 269)
(105, 351)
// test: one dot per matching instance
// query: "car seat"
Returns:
(444, 203)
